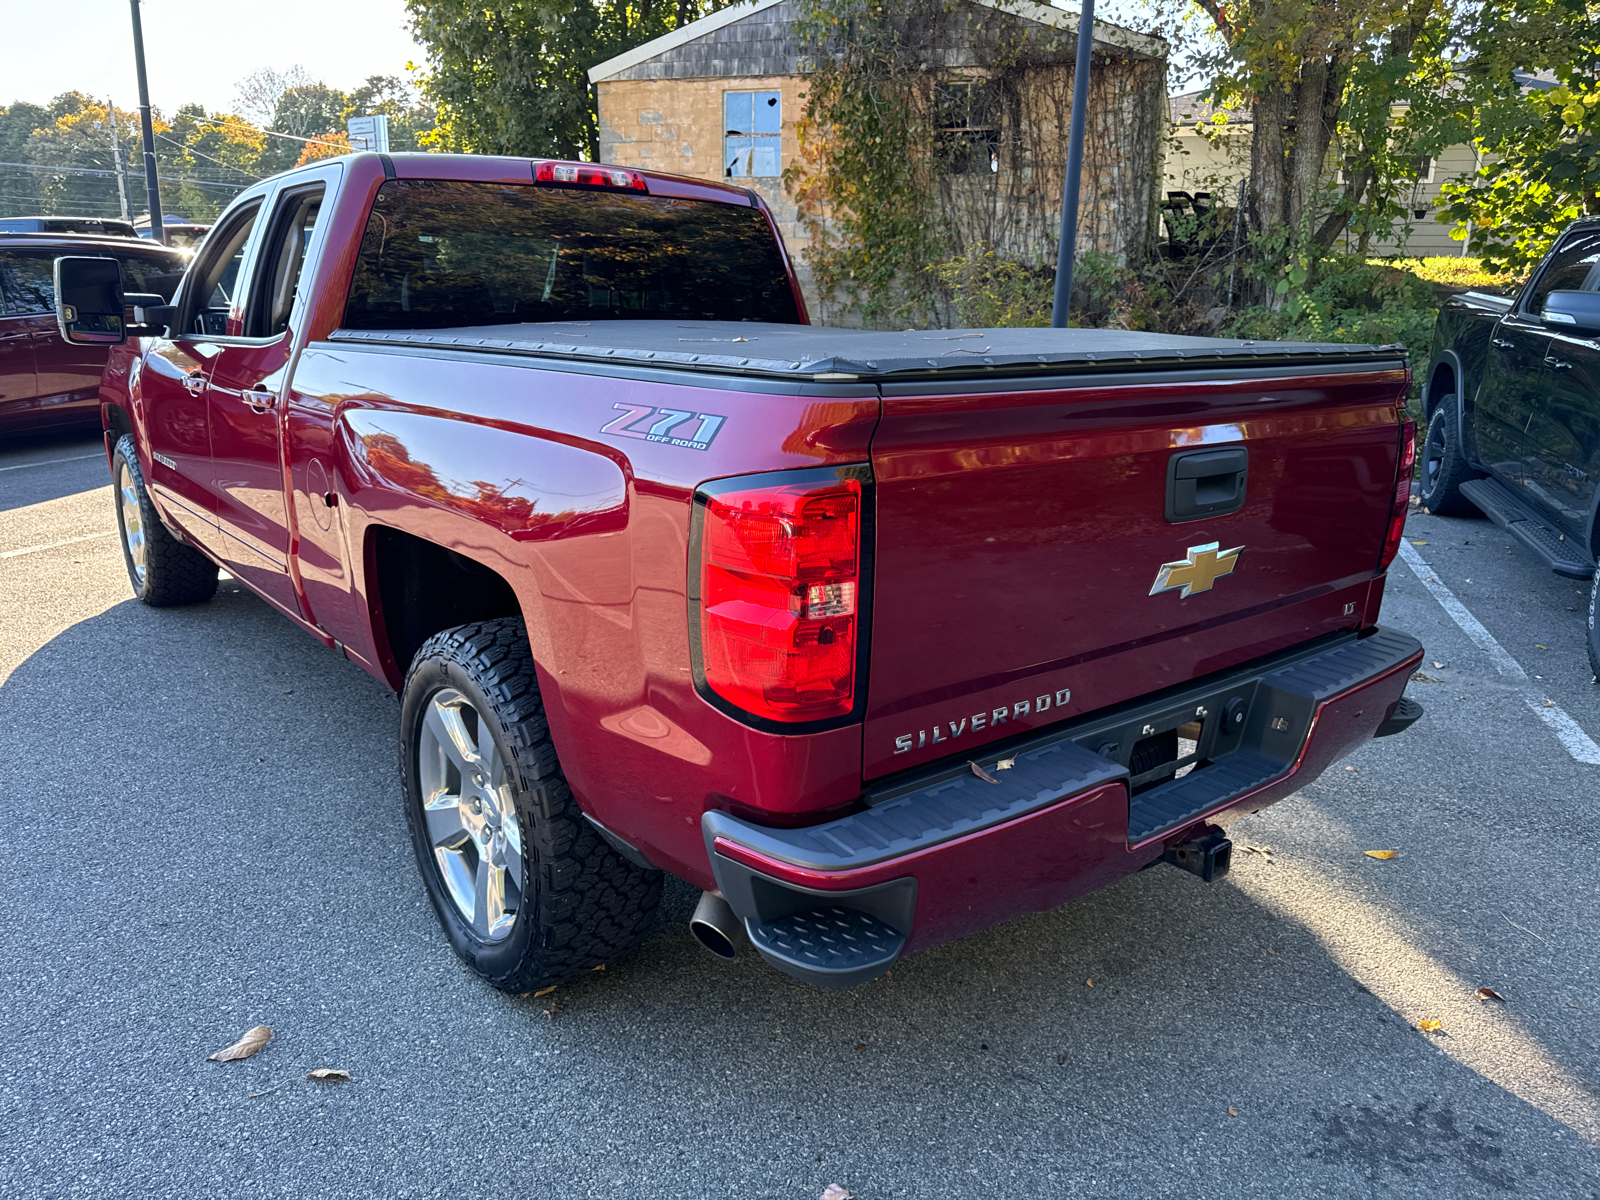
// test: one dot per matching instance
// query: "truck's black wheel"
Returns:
(162, 570)
(528, 892)
(1444, 468)
(1594, 626)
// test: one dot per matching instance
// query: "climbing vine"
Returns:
(932, 153)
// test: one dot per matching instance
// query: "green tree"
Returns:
(1529, 92)
(511, 78)
(19, 188)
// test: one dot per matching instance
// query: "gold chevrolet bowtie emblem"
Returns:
(1196, 573)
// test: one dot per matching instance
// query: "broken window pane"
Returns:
(752, 122)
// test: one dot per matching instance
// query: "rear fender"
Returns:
(527, 508)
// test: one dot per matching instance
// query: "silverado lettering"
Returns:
(616, 660)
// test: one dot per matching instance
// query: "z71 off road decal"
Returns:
(673, 426)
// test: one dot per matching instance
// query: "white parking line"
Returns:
(50, 462)
(88, 537)
(1572, 738)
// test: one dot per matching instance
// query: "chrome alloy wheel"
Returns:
(132, 522)
(470, 815)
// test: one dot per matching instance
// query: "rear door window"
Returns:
(28, 280)
(438, 254)
(282, 262)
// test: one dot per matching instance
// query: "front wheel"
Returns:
(1444, 467)
(162, 570)
(528, 892)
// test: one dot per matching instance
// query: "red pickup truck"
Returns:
(877, 638)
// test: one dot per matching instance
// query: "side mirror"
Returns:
(89, 308)
(1577, 311)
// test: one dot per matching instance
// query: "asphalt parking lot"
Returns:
(204, 833)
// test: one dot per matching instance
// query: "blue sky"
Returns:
(195, 51)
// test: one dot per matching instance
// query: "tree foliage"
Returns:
(1529, 96)
(512, 78)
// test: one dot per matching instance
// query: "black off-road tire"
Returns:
(1443, 468)
(173, 573)
(1594, 626)
(581, 903)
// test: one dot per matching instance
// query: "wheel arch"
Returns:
(417, 587)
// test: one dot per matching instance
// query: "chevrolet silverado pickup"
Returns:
(876, 638)
(1512, 397)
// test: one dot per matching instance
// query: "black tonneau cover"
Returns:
(823, 353)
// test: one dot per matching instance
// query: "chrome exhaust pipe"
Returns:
(715, 926)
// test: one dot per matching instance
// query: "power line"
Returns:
(238, 187)
(225, 166)
(274, 133)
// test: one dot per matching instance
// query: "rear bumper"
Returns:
(947, 853)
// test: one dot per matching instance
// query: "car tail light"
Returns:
(588, 175)
(780, 597)
(1402, 495)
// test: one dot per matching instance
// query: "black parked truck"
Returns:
(1512, 397)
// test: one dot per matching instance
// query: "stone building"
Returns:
(719, 99)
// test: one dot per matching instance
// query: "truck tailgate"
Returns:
(1022, 528)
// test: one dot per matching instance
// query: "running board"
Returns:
(1518, 518)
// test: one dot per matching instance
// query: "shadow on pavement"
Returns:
(47, 467)
(209, 836)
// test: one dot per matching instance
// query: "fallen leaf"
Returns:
(1440, 665)
(1061, 1060)
(544, 991)
(1349, 768)
(327, 1074)
(554, 1009)
(860, 1046)
(601, 967)
(1419, 543)
(1490, 994)
(1541, 647)
(252, 1041)
(1419, 677)
(1232, 1112)
(1383, 855)
(1089, 982)
(1430, 1026)
(1549, 703)
(1005, 764)
(981, 773)
(835, 1192)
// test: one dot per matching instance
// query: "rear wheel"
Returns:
(528, 892)
(1444, 467)
(162, 570)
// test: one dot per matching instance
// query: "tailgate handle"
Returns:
(1206, 483)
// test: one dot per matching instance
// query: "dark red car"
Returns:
(46, 382)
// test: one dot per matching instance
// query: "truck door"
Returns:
(173, 379)
(1563, 440)
(1511, 380)
(247, 381)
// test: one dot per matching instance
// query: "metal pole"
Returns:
(1067, 249)
(158, 226)
(116, 160)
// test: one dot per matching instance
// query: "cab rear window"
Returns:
(438, 254)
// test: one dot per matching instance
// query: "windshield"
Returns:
(438, 254)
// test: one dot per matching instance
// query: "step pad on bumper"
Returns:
(831, 947)
(1518, 518)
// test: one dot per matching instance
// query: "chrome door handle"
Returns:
(1559, 364)
(260, 401)
(1502, 343)
(194, 382)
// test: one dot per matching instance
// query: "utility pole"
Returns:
(116, 159)
(158, 226)
(1068, 246)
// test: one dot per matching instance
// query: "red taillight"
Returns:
(588, 175)
(1402, 495)
(779, 591)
